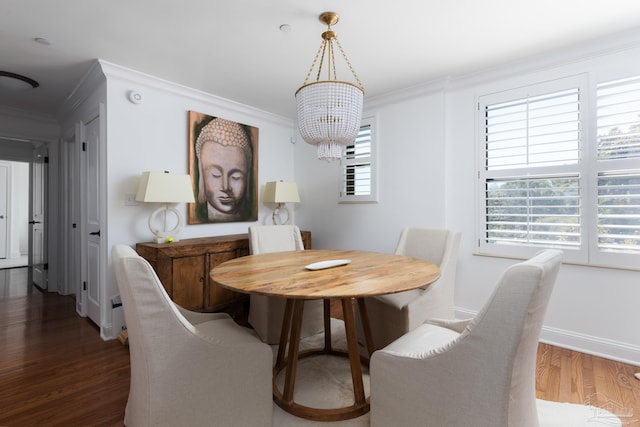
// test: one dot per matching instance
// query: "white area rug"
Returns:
(322, 382)
(325, 382)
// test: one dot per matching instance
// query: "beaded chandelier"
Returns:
(329, 111)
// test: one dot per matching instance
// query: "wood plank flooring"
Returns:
(55, 370)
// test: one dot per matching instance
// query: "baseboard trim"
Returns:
(596, 346)
(601, 347)
(106, 332)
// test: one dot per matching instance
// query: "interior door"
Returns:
(37, 232)
(4, 176)
(91, 219)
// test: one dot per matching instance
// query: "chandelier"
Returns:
(329, 111)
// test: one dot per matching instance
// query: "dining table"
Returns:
(346, 275)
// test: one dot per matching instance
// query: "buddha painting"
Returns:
(223, 165)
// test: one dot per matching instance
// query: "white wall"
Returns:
(427, 148)
(17, 233)
(592, 309)
(152, 136)
(410, 170)
(19, 209)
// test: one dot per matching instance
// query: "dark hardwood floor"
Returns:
(55, 370)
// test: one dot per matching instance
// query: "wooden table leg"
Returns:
(366, 326)
(352, 348)
(284, 332)
(290, 335)
(294, 345)
(327, 325)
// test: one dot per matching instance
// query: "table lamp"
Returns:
(170, 189)
(280, 192)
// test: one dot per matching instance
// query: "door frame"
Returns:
(6, 200)
(39, 217)
(94, 267)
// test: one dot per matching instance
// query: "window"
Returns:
(358, 167)
(543, 183)
(618, 158)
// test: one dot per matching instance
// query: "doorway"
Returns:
(16, 206)
(14, 213)
(14, 229)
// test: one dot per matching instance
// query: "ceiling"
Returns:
(236, 49)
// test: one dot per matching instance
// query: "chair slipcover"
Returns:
(479, 372)
(188, 368)
(266, 313)
(393, 315)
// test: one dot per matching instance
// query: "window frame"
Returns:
(372, 160)
(589, 168)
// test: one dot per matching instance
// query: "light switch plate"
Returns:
(130, 199)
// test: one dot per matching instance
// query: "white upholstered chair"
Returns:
(188, 368)
(393, 315)
(479, 372)
(266, 313)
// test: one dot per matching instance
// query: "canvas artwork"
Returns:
(223, 164)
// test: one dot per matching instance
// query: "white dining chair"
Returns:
(393, 315)
(188, 368)
(477, 372)
(266, 313)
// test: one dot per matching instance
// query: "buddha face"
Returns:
(224, 170)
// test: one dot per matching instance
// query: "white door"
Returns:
(91, 219)
(4, 177)
(69, 191)
(38, 254)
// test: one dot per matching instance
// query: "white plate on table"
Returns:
(327, 264)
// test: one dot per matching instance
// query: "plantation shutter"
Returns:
(618, 148)
(357, 165)
(532, 183)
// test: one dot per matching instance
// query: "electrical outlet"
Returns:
(116, 302)
(130, 199)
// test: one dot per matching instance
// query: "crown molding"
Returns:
(25, 126)
(113, 71)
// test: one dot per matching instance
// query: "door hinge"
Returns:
(84, 286)
(73, 226)
(84, 146)
(46, 266)
(46, 159)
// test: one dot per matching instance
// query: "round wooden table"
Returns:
(284, 275)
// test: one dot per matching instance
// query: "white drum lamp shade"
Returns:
(169, 189)
(280, 192)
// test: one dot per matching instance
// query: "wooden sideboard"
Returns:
(183, 268)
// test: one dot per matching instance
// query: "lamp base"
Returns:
(276, 215)
(166, 236)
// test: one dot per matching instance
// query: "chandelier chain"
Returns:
(332, 61)
(348, 63)
(313, 64)
(324, 50)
